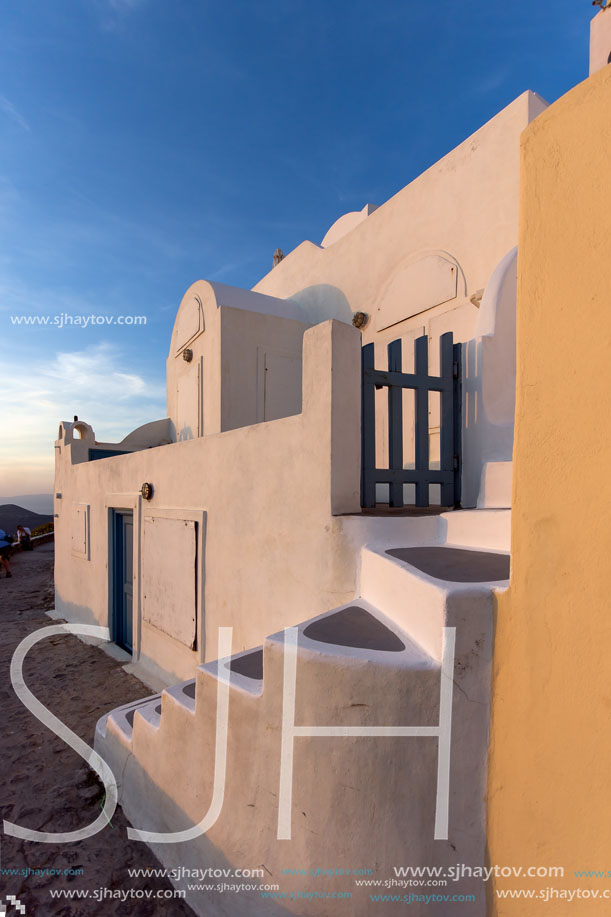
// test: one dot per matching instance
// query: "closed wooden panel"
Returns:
(188, 403)
(79, 529)
(169, 553)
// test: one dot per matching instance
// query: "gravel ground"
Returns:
(44, 784)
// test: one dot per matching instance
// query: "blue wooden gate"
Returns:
(448, 384)
(123, 575)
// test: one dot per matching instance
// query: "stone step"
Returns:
(355, 659)
(481, 528)
(123, 717)
(455, 565)
(246, 669)
(183, 693)
(421, 603)
(353, 653)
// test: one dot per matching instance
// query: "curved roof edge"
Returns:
(206, 296)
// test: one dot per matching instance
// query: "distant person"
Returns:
(24, 537)
(5, 551)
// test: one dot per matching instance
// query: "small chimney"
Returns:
(278, 256)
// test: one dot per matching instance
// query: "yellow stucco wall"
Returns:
(550, 756)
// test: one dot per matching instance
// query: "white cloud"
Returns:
(93, 383)
(84, 374)
(9, 109)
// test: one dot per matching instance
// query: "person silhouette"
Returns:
(24, 537)
(5, 551)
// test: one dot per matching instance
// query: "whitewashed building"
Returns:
(242, 509)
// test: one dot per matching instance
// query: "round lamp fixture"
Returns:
(147, 491)
(359, 319)
(187, 354)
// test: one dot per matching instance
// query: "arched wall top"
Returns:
(345, 224)
(202, 300)
(75, 431)
(189, 322)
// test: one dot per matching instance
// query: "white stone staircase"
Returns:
(358, 801)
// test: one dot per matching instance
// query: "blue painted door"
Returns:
(123, 578)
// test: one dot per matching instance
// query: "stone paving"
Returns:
(44, 785)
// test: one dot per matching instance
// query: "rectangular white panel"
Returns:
(79, 529)
(169, 600)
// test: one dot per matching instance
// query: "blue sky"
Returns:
(145, 144)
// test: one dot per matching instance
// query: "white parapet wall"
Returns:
(262, 502)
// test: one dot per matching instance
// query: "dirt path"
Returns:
(44, 785)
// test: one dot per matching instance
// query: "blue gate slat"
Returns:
(421, 365)
(446, 420)
(457, 422)
(395, 424)
(368, 430)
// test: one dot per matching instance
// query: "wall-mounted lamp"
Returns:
(360, 319)
(147, 491)
(187, 354)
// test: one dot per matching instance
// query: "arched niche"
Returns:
(189, 322)
(419, 283)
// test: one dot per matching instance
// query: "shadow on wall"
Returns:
(323, 301)
(149, 808)
(483, 439)
(489, 380)
(75, 614)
